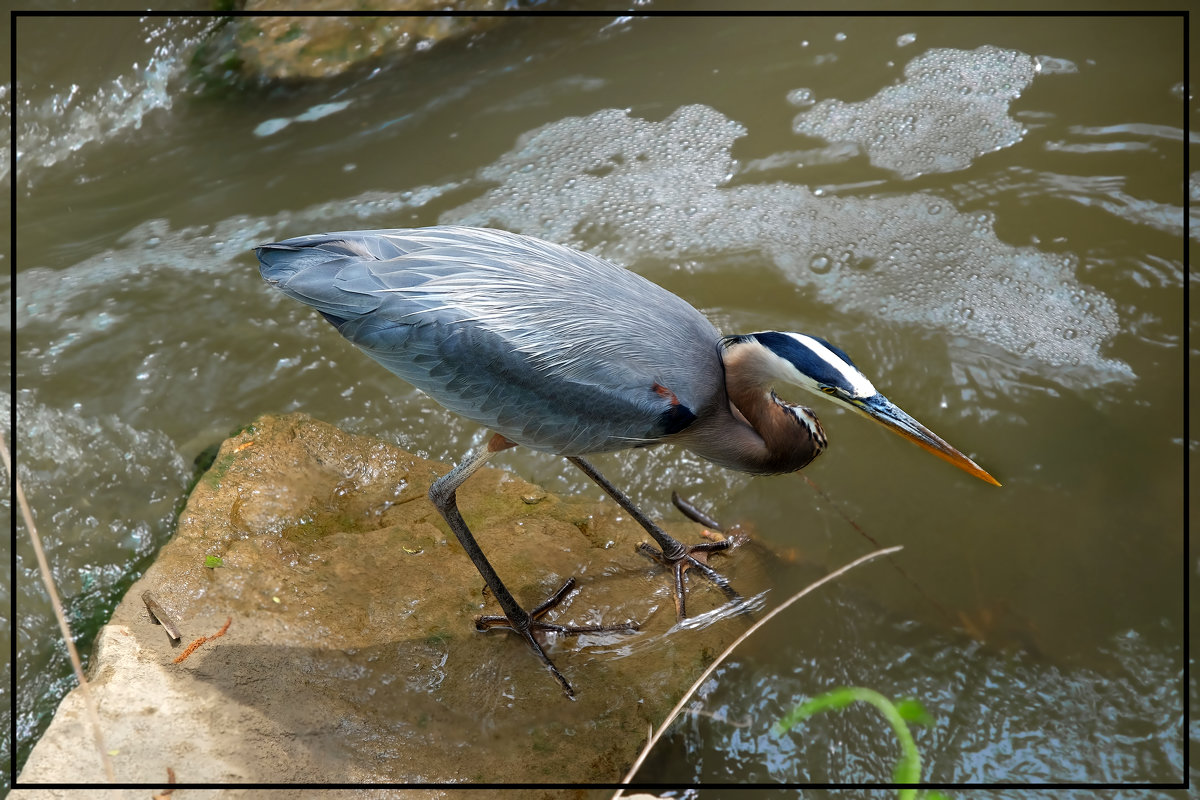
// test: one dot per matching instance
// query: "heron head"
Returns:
(821, 368)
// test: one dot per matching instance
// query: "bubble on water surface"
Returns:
(1049, 65)
(801, 98)
(951, 107)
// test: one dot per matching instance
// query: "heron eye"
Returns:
(828, 390)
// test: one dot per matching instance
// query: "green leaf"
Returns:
(213, 561)
(911, 710)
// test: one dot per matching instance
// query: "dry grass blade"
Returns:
(695, 687)
(44, 569)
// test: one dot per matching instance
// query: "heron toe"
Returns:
(531, 622)
(692, 557)
(681, 558)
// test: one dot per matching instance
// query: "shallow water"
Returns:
(987, 214)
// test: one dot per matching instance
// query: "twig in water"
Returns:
(44, 569)
(662, 729)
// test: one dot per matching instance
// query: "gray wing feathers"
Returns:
(553, 348)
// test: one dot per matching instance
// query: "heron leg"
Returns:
(521, 622)
(673, 553)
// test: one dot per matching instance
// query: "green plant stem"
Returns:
(908, 768)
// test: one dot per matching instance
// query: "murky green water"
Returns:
(986, 213)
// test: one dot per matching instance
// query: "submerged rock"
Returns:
(348, 651)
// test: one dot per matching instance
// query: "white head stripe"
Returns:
(862, 387)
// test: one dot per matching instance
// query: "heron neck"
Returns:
(752, 430)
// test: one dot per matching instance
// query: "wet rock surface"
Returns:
(315, 47)
(349, 651)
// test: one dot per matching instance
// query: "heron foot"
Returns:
(532, 622)
(694, 557)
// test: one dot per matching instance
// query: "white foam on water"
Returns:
(71, 119)
(951, 108)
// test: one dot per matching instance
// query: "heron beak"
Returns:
(891, 416)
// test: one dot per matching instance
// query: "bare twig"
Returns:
(160, 615)
(44, 569)
(662, 729)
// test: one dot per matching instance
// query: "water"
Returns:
(994, 230)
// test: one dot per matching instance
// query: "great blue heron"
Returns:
(560, 351)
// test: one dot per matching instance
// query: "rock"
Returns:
(350, 653)
(307, 47)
